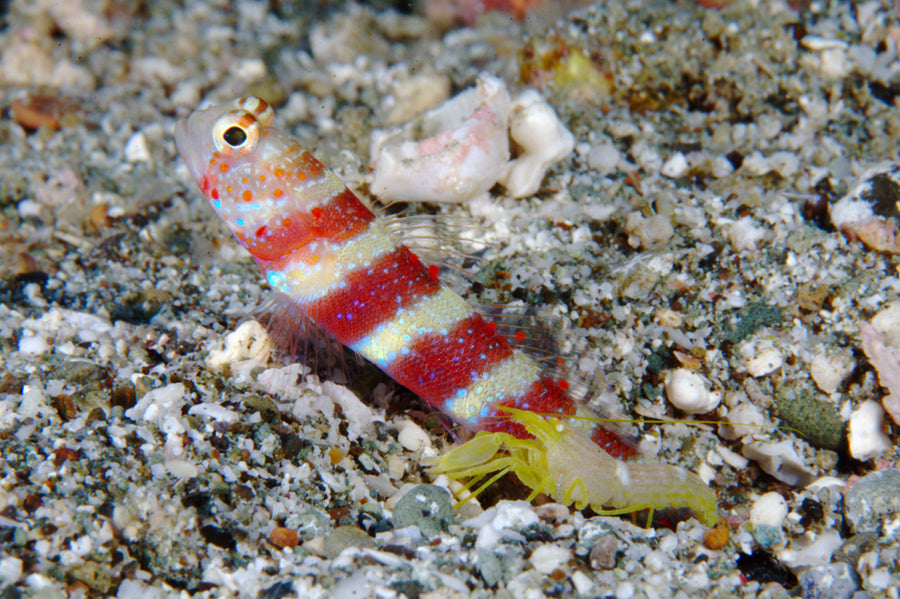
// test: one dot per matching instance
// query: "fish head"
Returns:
(225, 134)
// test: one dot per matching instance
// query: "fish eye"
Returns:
(236, 133)
(234, 136)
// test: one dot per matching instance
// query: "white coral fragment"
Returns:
(450, 154)
(461, 149)
(543, 140)
(886, 360)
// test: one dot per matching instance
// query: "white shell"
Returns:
(689, 392)
(865, 434)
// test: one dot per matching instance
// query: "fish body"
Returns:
(320, 246)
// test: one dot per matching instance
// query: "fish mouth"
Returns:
(189, 141)
(193, 138)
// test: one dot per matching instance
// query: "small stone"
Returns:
(675, 167)
(717, 537)
(648, 233)
(283, 537)
(343, 537)
(817, 421)
(427, 507)
(873, 498)
(489, 567)
(769, 509)
(548, 558)
(604, 553)
(743, 419)
(834, 581)
(767, 517)
(604, 158)
(136, 148)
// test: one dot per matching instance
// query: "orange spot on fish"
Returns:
(277, 193)
(433, 271)
(279, 172)
(301, 175)
(214, 194)
(563, 384)
(229, 189)
(247, 195)
(316, 213)
(243, 179)
(223, 167)
(286, 223)
(520, 336)
(262, 177)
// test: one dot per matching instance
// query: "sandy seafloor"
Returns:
(688, 229)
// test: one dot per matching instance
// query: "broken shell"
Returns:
(689, 392)
(449, 154)
(781, 460)
(543, 140)
(743, 419)
(829, 369)
(766, 361)
(865, 434)
(868, 212)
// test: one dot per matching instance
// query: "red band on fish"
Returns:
(372, 295)
(437, 366)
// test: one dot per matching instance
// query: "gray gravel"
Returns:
(689, 229)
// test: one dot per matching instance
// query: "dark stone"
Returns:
(762, 567)
(218, 536)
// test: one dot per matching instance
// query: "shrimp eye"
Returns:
(236, 133)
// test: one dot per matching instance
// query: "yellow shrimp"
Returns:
(572, 469)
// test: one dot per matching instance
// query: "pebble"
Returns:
(542, 140)
(547, 557)
(717, 537)
(764, 361)
(834, 581)
(283, 537)
(603, 555)
(426, 506)
(345, 536)
(676, 166)
(873, 498)
(769, 509)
